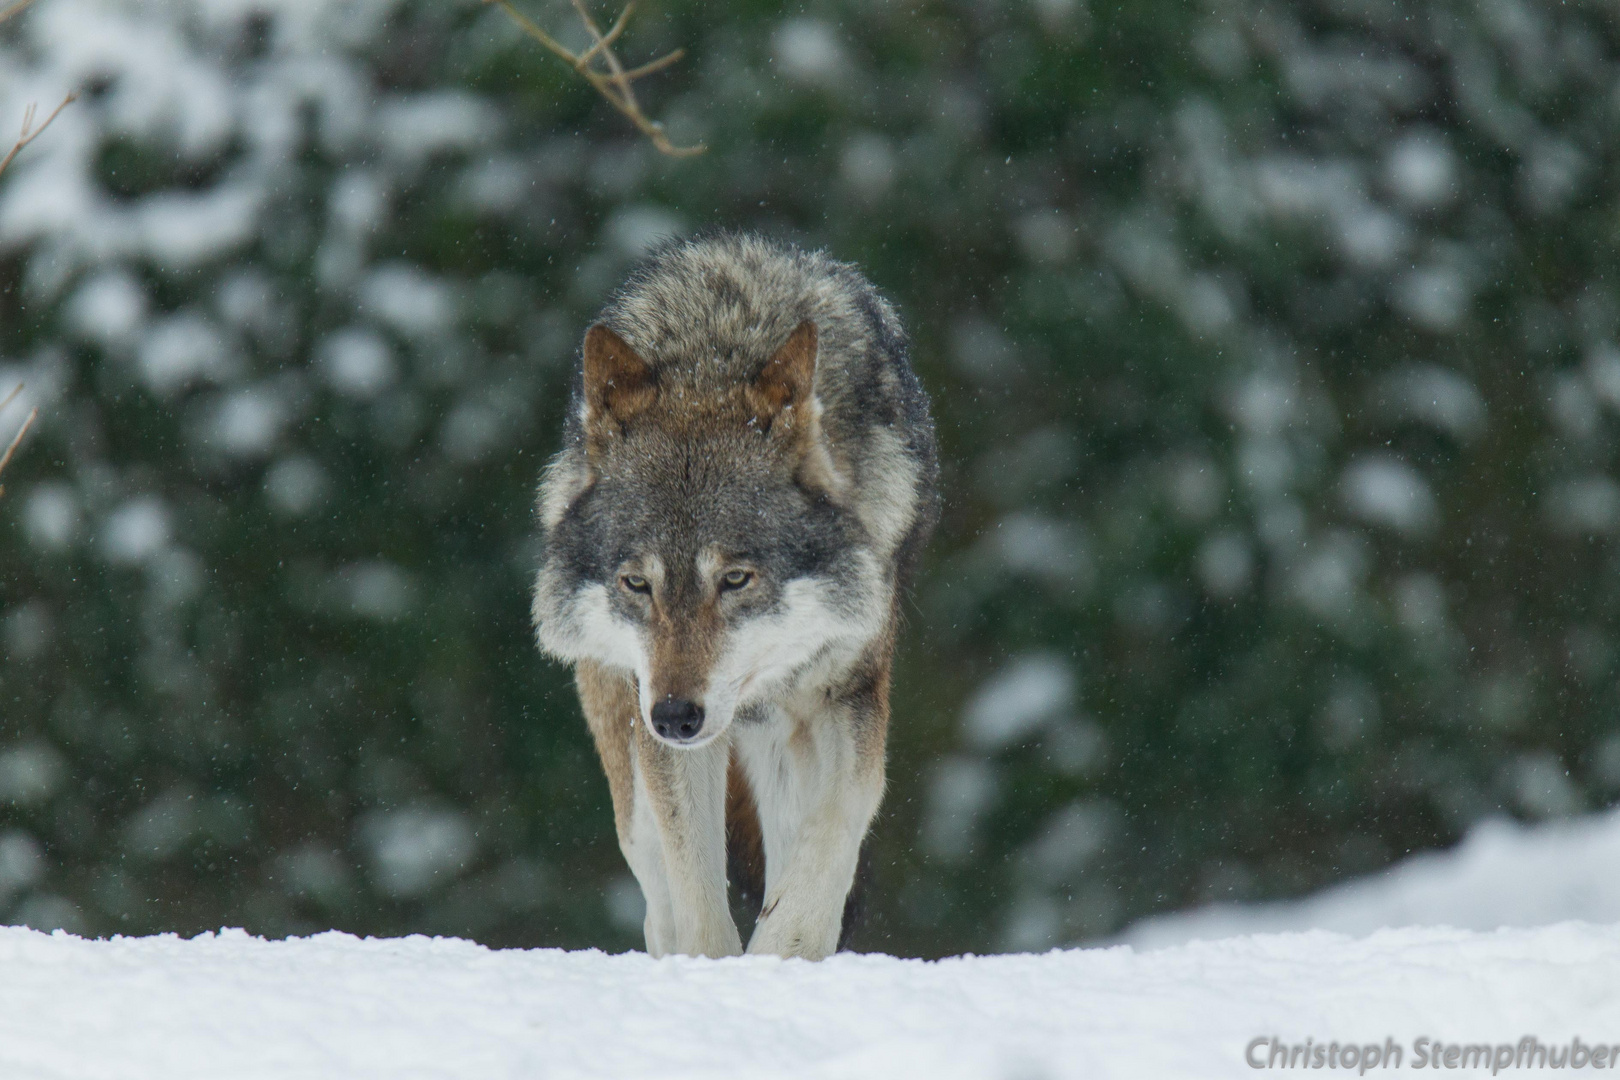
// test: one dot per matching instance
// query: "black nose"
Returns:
(677, 719)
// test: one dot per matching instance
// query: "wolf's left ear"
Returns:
(619, 385)
(783, 400)
(787, 381)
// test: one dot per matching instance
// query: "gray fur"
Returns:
(707, 314)
(692, 460)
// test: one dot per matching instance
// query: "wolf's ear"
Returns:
(619, 385)
(783, 400)
(788, 379)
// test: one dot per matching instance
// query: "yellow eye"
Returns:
(635, 583)
(735, 579)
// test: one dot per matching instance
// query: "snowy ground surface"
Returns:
(1502, 874)
(233, 1006)
(335, 1006)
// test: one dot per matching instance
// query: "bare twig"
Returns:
(17, 439)
(29, 131)
(28, 135)
(602, 40)
(614, 84)
(655, 65)
(14, 9)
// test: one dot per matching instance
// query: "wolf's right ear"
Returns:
(619, 385)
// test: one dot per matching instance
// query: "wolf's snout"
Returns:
(677, 719)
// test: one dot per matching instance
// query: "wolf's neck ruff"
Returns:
(747, 477)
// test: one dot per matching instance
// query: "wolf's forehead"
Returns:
(685, 527)
(685, 531)
(680, 460)
(708, 560)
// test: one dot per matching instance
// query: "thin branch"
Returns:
(14, 9)
(655, 65)
(28, 135)
(29, 132)
(615, 70)
(18, 438)
(614, 84)
(529, 27)
(605, 40)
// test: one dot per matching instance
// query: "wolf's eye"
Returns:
(636, 583)
(735, 579)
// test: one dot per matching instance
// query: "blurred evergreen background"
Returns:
(1272, 345)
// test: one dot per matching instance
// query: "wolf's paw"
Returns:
(715, 941)
(778, 933)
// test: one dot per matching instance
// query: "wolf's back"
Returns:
(707, 313)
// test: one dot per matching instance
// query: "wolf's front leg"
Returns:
(817, 787)
(686, 794)
(611, 706)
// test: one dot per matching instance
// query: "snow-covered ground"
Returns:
(233, 1006)
(1502, 874)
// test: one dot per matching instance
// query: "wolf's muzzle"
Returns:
(677, 719)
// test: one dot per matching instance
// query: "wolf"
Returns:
(747, 477)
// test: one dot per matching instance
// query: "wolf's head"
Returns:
(695, 537)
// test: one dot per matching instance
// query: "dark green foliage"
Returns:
(1273, 349)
